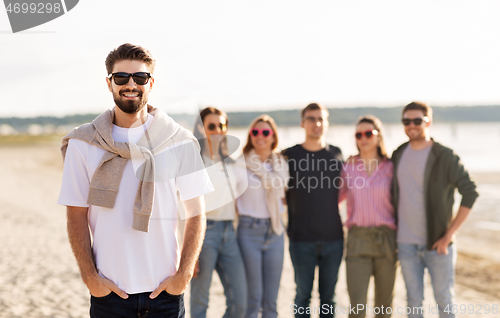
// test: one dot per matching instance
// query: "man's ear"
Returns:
(108, 81)
(302, 123)
(151, 82)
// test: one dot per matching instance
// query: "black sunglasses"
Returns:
(416, 121)
(122, 78)
(212, 126)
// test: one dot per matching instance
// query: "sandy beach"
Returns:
(39, 276)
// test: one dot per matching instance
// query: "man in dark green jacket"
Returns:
(426, 175)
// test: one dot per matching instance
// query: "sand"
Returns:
(39, 276)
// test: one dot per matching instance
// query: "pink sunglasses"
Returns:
(264, 132)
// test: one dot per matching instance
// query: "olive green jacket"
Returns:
(444, 172)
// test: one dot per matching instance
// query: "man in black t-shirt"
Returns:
(314, 227)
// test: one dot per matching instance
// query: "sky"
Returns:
(258, 55)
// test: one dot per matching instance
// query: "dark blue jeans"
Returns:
(137, 306)
(305, 257)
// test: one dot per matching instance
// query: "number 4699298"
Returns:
(34, 8)
(472, 309)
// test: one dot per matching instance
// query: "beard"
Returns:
(130, 106)
(416, 136)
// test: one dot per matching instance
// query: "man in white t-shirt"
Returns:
(132, 265)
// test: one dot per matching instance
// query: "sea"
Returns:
(477, 144)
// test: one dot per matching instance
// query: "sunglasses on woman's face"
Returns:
(213, 127)
(368, 134)
(264, 132)
(416, 121)
(122, 78)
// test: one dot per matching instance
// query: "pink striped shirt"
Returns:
(368, 197)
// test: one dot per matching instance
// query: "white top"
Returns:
(220, 204)
(136, 261)
(253, 201)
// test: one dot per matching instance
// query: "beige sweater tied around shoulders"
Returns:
(162, 132)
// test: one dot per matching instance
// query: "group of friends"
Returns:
(129, 172)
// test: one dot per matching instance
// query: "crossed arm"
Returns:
(79, 238)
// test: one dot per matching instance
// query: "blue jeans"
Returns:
(137, 305)
(220, 251)
(262, 252)
(414, 259)
(305, 257)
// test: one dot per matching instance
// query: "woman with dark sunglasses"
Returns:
(260, 228)
(371, 241)
(220, 249)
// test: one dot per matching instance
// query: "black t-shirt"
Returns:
(312, 196)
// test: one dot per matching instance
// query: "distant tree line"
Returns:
(386, 115)
(292, 117)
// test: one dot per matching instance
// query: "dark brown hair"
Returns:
(426, 109)
(199, 135)
(381, 150)
(267, 119)
(313, 106)
(129, 51)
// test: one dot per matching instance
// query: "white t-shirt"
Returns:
(220, 204)
(253, 201)
(136, 261)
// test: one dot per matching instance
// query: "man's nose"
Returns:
(131, 82)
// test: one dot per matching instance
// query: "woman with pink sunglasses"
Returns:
(371, 241)
(260, 228)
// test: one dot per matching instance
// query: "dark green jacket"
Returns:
(444, 172)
